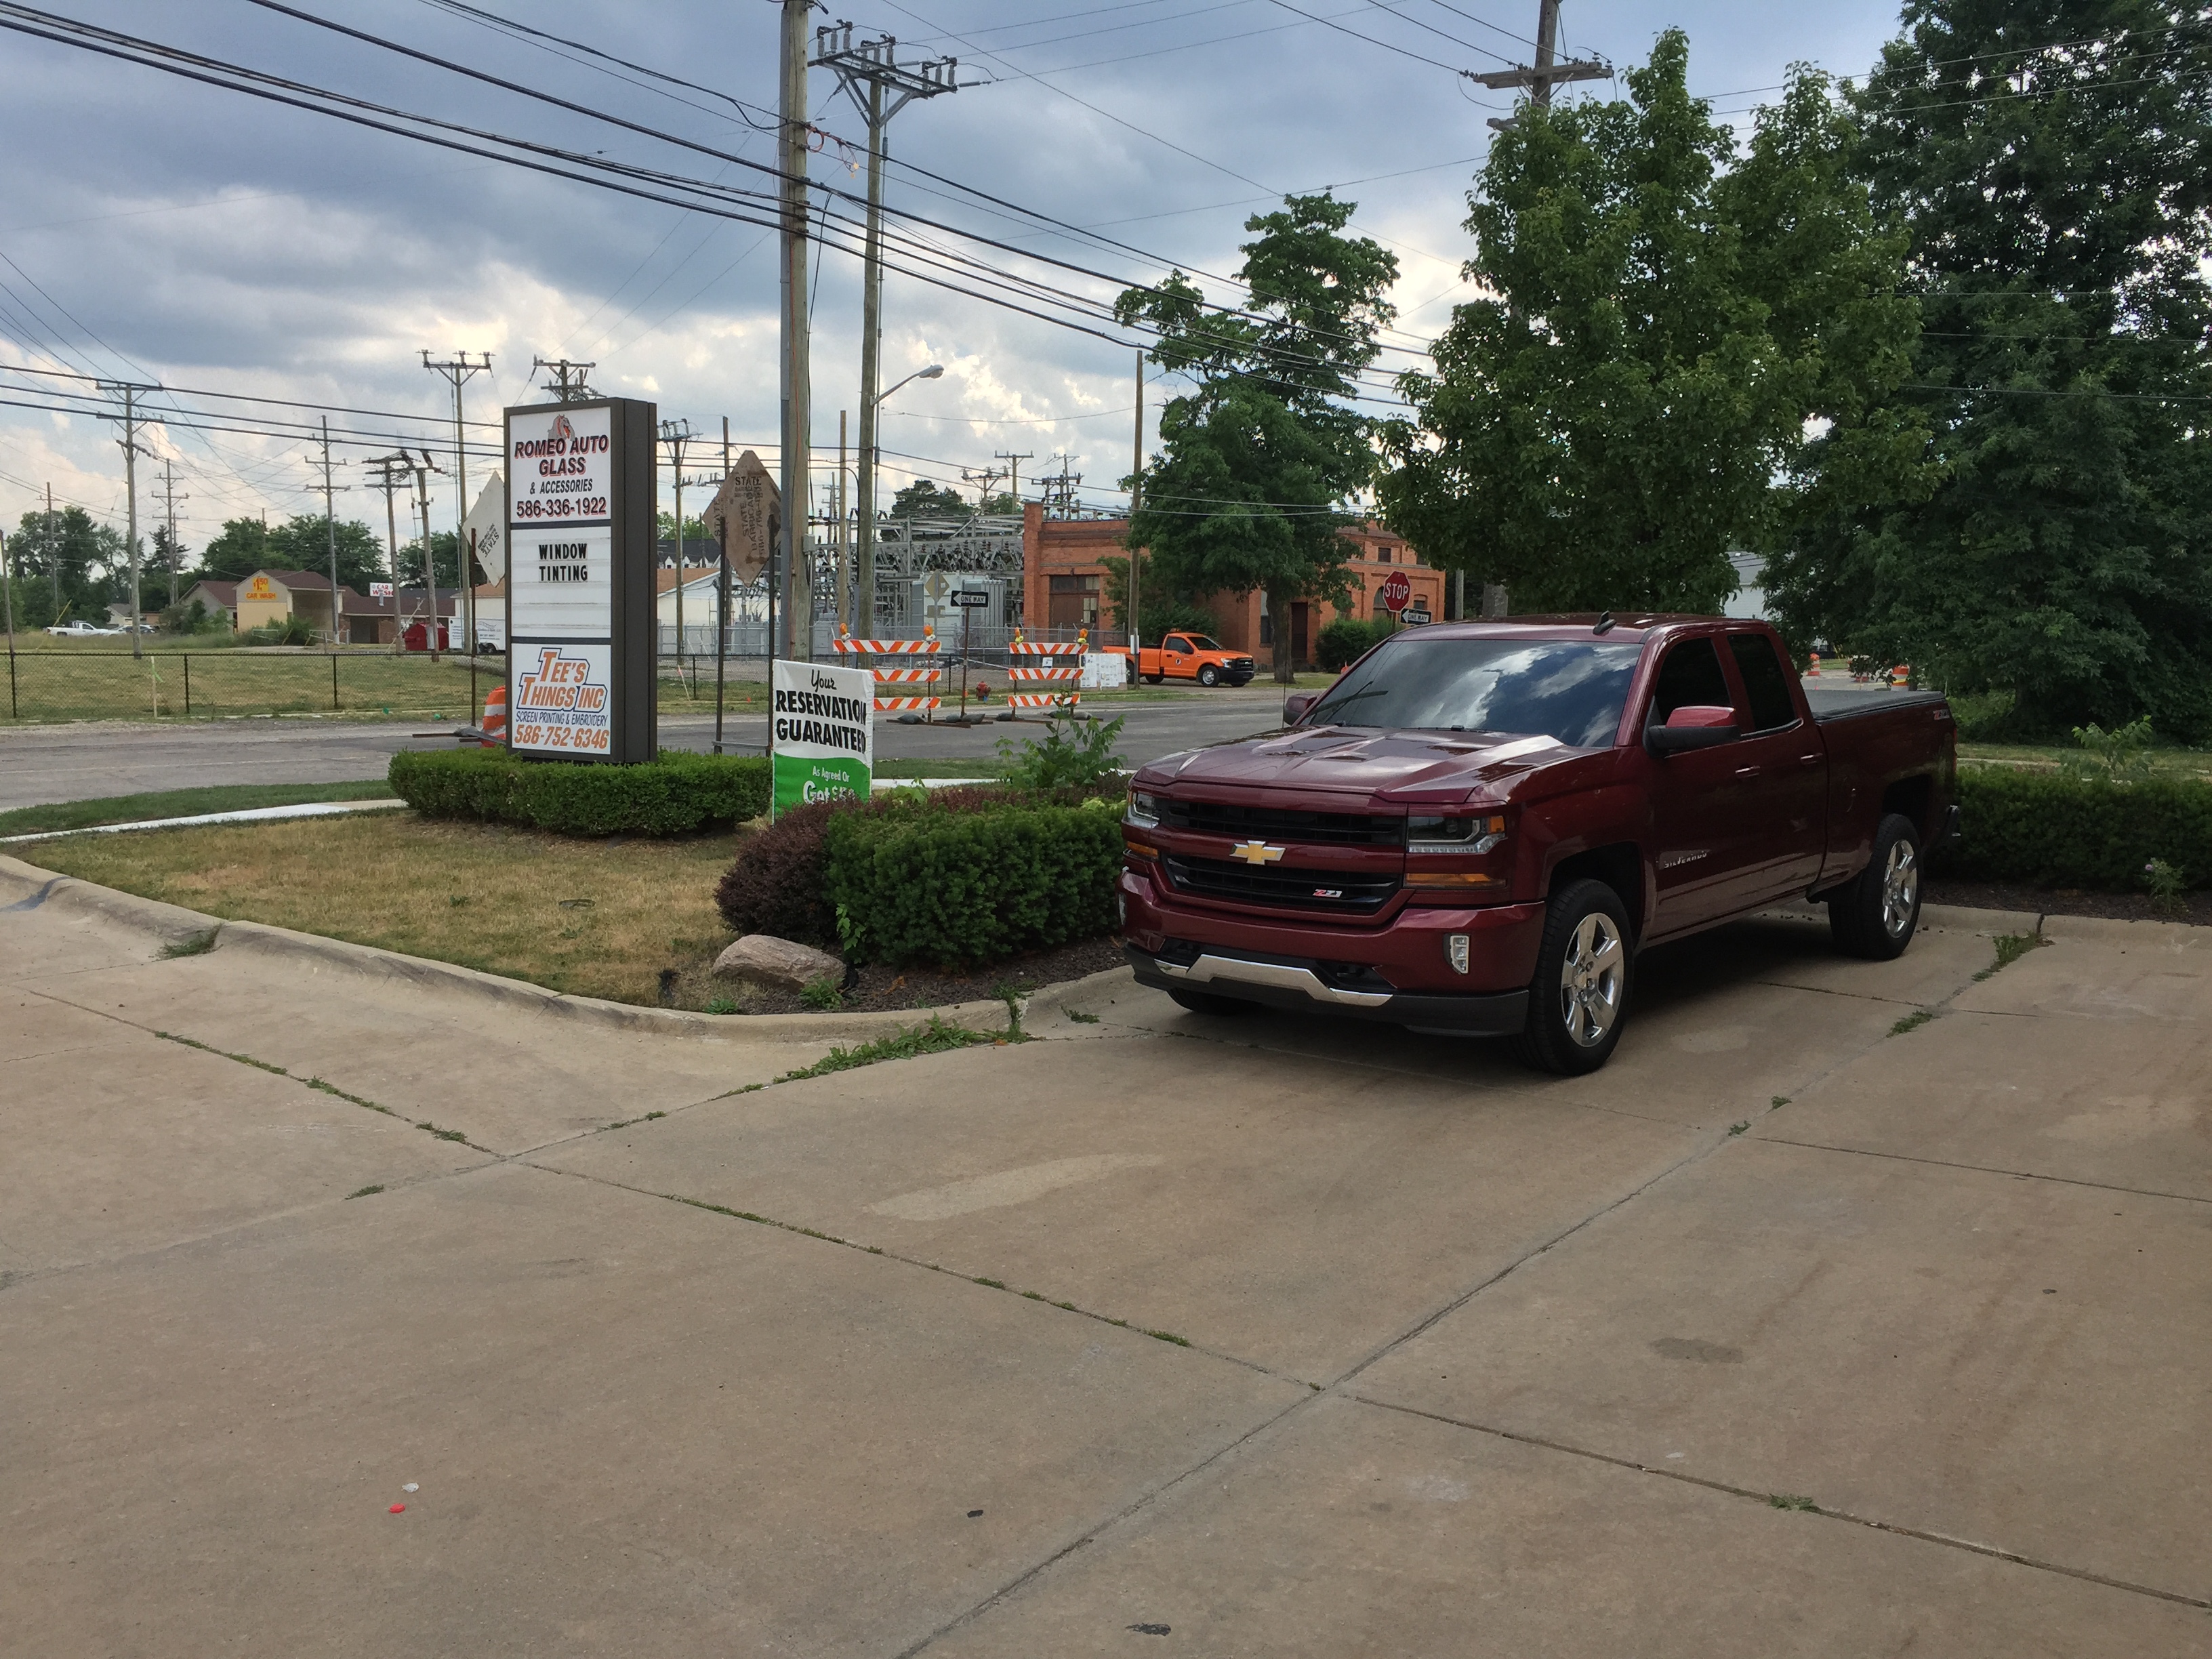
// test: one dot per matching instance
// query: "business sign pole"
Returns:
(822, 733)
(580, 606)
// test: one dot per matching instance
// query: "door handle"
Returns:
(1808, 760)
(1747, 771)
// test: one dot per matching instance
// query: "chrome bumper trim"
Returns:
(1281, 974)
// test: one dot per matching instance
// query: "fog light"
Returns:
(1455, 951)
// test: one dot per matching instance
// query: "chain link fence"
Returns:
(46, 685)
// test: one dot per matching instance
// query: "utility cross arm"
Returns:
(1499, 80)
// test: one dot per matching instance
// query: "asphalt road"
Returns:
(42, 763)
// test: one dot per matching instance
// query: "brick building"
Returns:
(1064, 584)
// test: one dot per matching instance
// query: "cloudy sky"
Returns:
(157, 228)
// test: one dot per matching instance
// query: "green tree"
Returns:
(1664, 318)
(2053, 162)
(62, 563)
(301, 543)
(923, 499)
(1256, 462)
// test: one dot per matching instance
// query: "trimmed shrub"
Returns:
(2053, 830)
(775, 885)
(676, 794)
(1344, 642)
(778, 885)
(938, 885)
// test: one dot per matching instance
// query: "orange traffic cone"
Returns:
(495, 715)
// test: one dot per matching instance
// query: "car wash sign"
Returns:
(822, 732)
(580, 553)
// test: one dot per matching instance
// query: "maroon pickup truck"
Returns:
(1479, 827)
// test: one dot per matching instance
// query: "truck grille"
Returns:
(1340, 891)
(1271, 823)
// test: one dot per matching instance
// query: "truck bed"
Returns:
(1841, 705)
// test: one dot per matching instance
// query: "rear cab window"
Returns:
(1766, 682)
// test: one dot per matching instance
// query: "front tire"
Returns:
(1209, 675)
(1579, 997)
(1877, 915)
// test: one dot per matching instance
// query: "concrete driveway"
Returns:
(1787, 1333)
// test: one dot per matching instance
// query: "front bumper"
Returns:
(1306, 984)
(1393, 969)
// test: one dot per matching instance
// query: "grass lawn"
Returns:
(596, 917)
(183, 803)
(2194, 760)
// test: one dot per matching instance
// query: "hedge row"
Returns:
(962, 877)
(2051, 830)
(675, 795)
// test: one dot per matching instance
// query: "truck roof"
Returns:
(1562, 627)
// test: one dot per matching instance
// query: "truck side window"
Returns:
(1691, 676)
(1765, 681)
(1179, 644)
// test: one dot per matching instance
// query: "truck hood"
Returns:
(1380, 763)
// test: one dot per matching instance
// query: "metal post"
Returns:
(131, 487)
(188, 682)
(334, 682)
(1137, 500)
(330, 531)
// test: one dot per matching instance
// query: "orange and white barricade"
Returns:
(495, 716)
(1046, 676)
(901, 690)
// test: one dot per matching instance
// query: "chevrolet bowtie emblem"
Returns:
(1255, 852)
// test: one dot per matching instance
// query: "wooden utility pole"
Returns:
(169, 500)
(54, 552)
(844, 551)
(567, 385)
(796, 362)
(1136, 500)
(867, 71)
(1547, 71)
(458, 370)
(674, 434)
(129, 443)
(423, 470)
(389, 467)
(330, 527)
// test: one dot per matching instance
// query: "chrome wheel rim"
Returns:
(1591, 980)
(1900, 887)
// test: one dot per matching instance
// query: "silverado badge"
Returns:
(1255, 852)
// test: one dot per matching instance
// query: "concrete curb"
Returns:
(173, 925)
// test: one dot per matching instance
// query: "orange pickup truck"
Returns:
(1182, 656)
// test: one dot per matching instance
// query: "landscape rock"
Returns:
(765, 959)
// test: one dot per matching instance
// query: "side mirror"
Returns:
(1297, 705)
(1693, 725)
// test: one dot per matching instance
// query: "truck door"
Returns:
(1692, 852)
(1780, 778)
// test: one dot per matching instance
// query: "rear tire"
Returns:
(1875, 916)
(1209, 676)
(1154, 679)
(1208, 1002)
(1579, 998)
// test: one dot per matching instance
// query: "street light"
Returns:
(934, 372)
(870, 456)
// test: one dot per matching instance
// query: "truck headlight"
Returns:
(1467, 833)
(1143, 811)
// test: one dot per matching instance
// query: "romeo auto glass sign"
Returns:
(559, 574)
(561, 464)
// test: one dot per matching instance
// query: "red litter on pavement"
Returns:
(397, 1508)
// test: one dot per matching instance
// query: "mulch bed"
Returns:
(2065, 902)
(880, 988)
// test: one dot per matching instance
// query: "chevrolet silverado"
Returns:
(1479, 826)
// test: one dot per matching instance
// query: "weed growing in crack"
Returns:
(2010, 947)
(1782, 1500)
(366, 1192)
(1738, 1128)
(1912, 1022)
(1167, 1336)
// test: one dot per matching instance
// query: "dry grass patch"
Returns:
(589, 917)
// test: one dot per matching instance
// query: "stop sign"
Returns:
(1396, 592)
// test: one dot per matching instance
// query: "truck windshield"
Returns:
(1570, 690)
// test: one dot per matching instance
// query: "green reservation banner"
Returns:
(823, 733)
